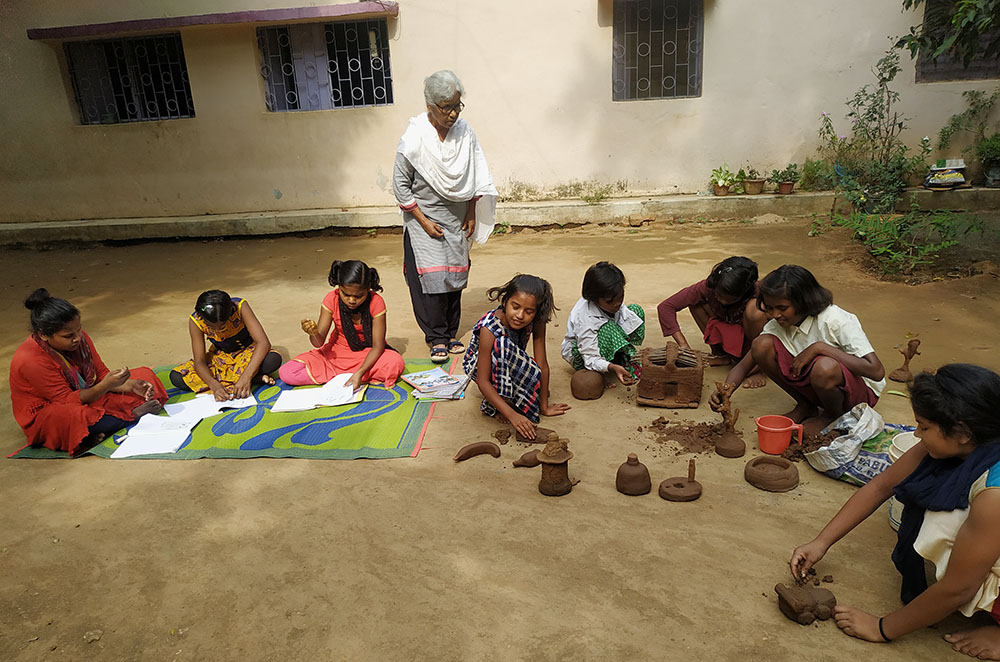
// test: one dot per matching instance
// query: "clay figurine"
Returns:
(902, 374)
(771, 473)
(671, 377)
(542, 436)
(730, 444)
(555, 468)
(633, 477)
(680, 488)
(477, 448)
(587, 385)
(805, 604)
(529, 459)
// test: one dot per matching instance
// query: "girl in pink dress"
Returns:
(354, 316)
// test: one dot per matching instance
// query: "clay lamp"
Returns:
(555, 468)
(681, 488)
(633, 477)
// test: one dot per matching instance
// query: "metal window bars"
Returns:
(130, 80)
(657, 49)
(317, 66)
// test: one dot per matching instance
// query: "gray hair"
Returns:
(441, 86)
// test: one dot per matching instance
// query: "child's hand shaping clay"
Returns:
(310, 327)
(623, 375)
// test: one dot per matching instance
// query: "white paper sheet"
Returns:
(204, 405)
(334, 392)
(155, 434)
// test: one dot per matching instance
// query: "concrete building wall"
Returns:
(538, 93)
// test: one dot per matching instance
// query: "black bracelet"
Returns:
(881, 631)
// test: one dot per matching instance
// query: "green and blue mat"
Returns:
(387, 423)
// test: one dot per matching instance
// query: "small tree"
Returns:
(965, 30)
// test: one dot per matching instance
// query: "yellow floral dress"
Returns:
(231, 351)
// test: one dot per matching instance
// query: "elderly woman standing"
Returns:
(443, 186)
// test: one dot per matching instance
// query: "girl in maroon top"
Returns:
(724, 306)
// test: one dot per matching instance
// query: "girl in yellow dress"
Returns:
(239, 354)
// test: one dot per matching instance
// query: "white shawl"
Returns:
(455, 168)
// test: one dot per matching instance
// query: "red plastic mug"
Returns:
(774, 433)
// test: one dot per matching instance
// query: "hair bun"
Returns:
(36, 297)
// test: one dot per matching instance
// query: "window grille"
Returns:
(316, 66)
(130, 80)
(947, 67)
(657, 49)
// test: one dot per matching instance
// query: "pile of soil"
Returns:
(810, 443)
(690, 438)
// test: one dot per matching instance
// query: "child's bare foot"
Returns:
(801, 412)
(147, 407)
(814, 424)
(756, 380)
(982, 643)
(719, 359)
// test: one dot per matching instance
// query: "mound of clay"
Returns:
(730, 444)
(810, 443)
(477, 448)
(805, 604)
(542, 436)
(633, 477)
(771, 474)
(502, 436)
(587, 385)
(529, 459)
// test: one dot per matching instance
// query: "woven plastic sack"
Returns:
(859, 455)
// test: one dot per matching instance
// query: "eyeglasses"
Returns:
(449, 110)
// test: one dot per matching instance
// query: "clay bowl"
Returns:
(771, 473)
(679, 488)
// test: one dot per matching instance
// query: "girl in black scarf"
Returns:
(950, 514)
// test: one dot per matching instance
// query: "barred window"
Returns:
(947, 67)
(316, 66)
(657, 49)
(138, 79)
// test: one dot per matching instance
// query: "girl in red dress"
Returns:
(64, 397)
(354, 316)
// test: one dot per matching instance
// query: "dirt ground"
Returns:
(425, 559)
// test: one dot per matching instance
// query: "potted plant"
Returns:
(722, 179)
(750, 179)
(785, 179)
(988, 153)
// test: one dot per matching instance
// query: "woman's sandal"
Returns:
(439, 354)
(456, 347)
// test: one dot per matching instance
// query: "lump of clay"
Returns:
(529, 459)
(542, 436)
(477, 448)
(805, 604)
(587, 385)
(902, 374)
(681, 488)
(633, 477)
(554, 459)
(771, 474)
(729, 444)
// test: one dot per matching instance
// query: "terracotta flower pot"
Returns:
(784, 188)
(720, 190)
(753, 186)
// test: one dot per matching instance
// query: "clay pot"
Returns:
(587, 385)
(720, 190)
(771, 474)
(555, 468)
(784, 188)
(633, 477)
(753, 186)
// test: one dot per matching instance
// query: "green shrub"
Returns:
(988, 151)
(901, 242)
(818, 175)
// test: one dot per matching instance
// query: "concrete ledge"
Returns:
(518, 214)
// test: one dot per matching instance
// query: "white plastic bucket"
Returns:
(901, 443)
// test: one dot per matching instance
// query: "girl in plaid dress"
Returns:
(514, 385)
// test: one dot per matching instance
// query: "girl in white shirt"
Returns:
(815, 351)
(602, 334)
